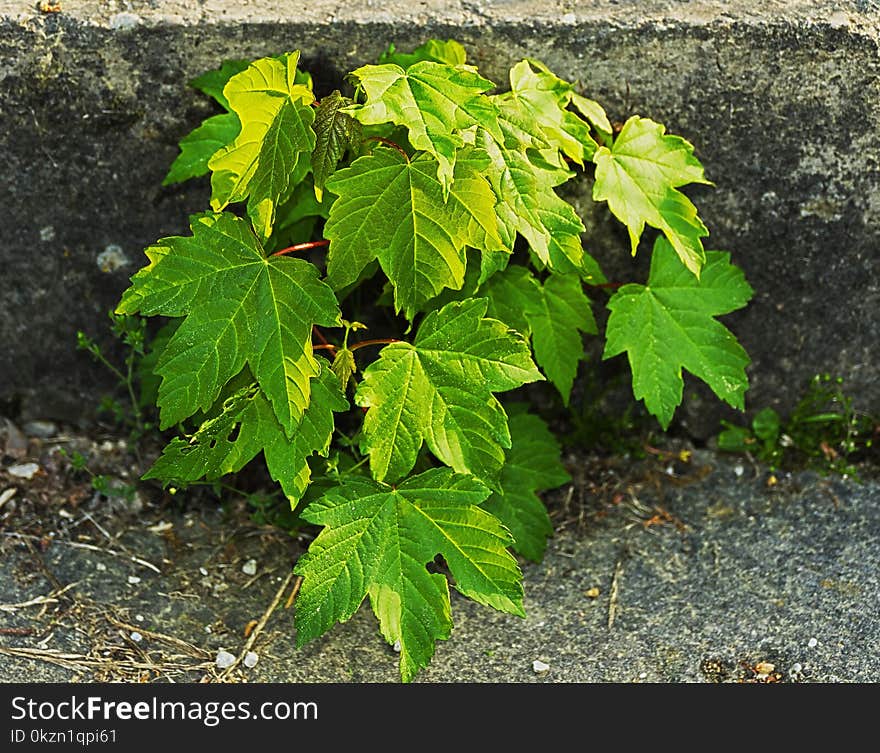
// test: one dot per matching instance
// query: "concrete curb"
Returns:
(782, 101)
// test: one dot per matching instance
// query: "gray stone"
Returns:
(251, 659)
(781, 99)
(12, 441)
(224, 660)
(41, 429)
(23, 470)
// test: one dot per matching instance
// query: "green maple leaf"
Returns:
(553, 315)
(241, 308)
(246, 426)
(439, 390)
(527, 204)
(392, 209)
(344, 367)
(335, 132)
(449, 52)
(639, 177)
(544, 99)
(197, 147)
(668, 325)
(434, 101)
(377, 541)
(532, 465)
(274, 143)
(593, 112)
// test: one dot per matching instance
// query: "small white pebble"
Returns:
(642, 675)
(838, 20)
(109, 260)
(251, 659)
(670, 471)
(41, 429)
(139, 617)
(249, 567)
(224, 659)
(100, 567)
(203, 571)
(136, 637)
(796, 669)
(739, 470)
(396, 646)
(207, 628)
(812, 643)
(124, 21)
(540, 667)
(47, 233)
(133, 579)
(23, 470)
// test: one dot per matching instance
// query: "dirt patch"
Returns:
(93, 576)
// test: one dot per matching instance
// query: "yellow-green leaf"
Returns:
(276, 136)
(639, 177)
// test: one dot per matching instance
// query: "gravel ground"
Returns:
(711, 570)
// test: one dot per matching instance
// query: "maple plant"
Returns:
(426, 180)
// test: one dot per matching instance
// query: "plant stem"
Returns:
(301, 247)
(99, 356)
(325, 345)
(320, 335)
(129, 382)
(365, 343)
(610, 285)
(389, 142)
(355, 466)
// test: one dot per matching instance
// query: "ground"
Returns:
(699, 567)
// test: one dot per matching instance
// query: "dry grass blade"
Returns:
(614, 593)
(90, 547)
(188, 648)
(52, 598)
(83, 662)
(260, 625)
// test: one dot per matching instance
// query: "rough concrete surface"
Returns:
(711, 571)
(782, 100)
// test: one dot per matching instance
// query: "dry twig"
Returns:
(249, 644)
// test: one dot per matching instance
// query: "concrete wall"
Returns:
(782, 100)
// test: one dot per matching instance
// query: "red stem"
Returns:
(320, 335)
(301, 247)
(324, 344)
(612, 285)
(389, 142)
(365, 343)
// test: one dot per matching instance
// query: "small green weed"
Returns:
(824, 432)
